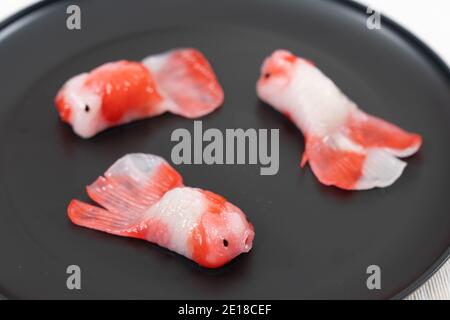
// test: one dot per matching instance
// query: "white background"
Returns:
(427, 19)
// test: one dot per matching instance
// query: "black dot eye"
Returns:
(267, 75)
(87, 108)
(225, 243)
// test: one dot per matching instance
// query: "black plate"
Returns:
(311, 241)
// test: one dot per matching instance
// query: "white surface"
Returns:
(8, 7)
(426, 19)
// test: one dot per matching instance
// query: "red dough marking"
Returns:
(216, 203)
(206, 242)
(278, 66)
(63, 107)
(291, 58)
(369, 131)
(198, 239)
(207, 247)
(93, 217)
(126, 201)
(125, 87)
(199, 246)
(164, 179)
(120, 193)
(189, 81)
(334, 167)
(343, 168)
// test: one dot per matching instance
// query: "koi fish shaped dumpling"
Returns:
(144, 197)
(344, 146)
(180, 81)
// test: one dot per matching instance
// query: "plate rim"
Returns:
(397, 28)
